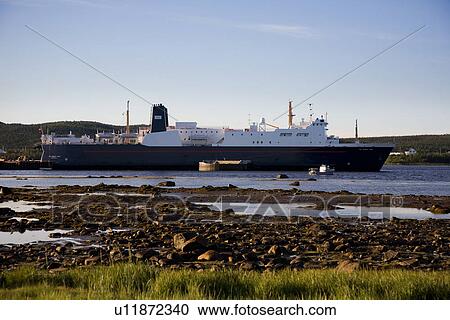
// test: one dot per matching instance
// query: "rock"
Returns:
(296, 262)
(247, 265)
(91, 260)
(295, 183)
(139, 234)
(114, 252)
(228, 211)
(6, 213)
(53, 265)
(146, 189)
(389, 255)
(60, 249)
(173, 256)
(166, 184)
(348, 266)
(437, 209)
(282, 176)
(210, 255)
(5, 191)
(55, 235)
(277, 250)
(169, 217)
(408, 262)
(178, 241)
(195, 243)
(250, 256)
(145, 254)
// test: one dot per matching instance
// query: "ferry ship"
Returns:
(183, 145)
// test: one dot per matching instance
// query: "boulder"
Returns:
(55, 235)
(166, 184)
(296, 262)
(437, 209)
(5, 191)
(276, 250)
(169, 217)
(178, 240)
(186, 245)
(389, 255)
(408, 262)
(247, 266)
(210, 255)
(145, 188)
(145, 254)
(91, 260)
(53, 265)
(6, 213)
(348, 266)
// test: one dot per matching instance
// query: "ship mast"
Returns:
(128, 117)
(290, 115)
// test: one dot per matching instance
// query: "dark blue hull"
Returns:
(137, 157)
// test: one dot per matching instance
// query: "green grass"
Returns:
(140, 281)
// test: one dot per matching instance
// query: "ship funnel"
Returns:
(160, 120)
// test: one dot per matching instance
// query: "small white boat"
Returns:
(326, 170)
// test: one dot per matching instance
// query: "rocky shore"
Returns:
(164, 227)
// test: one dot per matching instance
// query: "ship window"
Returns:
(270, 141)
(261, 134)
(217, 131)
(232, 134)
(253, 142)
(286, 134)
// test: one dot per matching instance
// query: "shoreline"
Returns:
(104, 224)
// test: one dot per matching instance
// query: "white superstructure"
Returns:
(312, 133)
(188, 134)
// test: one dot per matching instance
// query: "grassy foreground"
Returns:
(140, 281)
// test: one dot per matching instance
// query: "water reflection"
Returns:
(342, 211)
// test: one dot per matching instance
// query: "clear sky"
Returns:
(217, 62)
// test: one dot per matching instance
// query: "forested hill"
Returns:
(16, 136)
(19, 136)
(422, 143)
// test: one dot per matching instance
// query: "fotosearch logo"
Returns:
(109, 208)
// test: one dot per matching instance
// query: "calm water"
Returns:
(32, 236)
(427, 180)
(343, 211)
